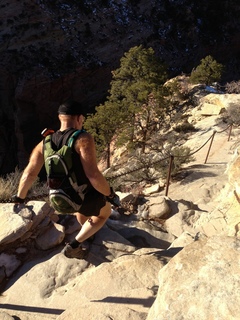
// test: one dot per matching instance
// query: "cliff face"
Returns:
(54, 49)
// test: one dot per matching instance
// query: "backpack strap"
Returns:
(66, 139)
(74, 136)
(46, 142)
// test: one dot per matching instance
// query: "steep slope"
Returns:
(129, 258)
(50, 50)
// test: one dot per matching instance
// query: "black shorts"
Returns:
(92, 203)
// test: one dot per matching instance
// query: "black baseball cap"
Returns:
(71, 107)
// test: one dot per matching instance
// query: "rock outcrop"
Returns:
(200, 282)
(136, 269)
(175, 257)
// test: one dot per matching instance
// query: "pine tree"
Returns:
(135, 102)
(102, 125)
(207, 72)
(136, 92)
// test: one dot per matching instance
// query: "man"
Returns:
(95, 209)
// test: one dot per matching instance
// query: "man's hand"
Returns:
(114, 199)
(16, 199)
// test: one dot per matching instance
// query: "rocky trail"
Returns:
(135, 263)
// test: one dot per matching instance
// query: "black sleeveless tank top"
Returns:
(59, 138)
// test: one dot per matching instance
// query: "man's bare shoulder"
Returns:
(84, 134)
(84, 140)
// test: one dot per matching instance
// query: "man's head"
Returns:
(71, 107)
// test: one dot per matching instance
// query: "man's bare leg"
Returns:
(90, 225)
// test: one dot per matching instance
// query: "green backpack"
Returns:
(65, 195)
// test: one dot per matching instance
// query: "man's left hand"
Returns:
(114, 199)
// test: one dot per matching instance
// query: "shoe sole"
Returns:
(79, 255)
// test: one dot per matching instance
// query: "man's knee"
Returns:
(105, 211)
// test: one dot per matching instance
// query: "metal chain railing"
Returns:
(170, 157)
(210, 146)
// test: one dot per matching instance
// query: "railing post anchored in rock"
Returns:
(230, 131)
(169, 174)
(214, 132)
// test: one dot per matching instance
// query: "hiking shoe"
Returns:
(78, 253)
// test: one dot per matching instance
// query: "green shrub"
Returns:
(9, 187)
(233, 87)
(185, 127)
(182, 155)
(234, 113)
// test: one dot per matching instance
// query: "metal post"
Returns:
(214, 132)
(230, 131)
(169, 174)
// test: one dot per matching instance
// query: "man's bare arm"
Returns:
(32, 170)
(85, 146)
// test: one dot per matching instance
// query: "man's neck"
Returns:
(73, 122)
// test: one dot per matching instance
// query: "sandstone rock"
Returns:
(159, 207)
(50, 237)
(9, 262)
(110, 311)
(233, 171)
(213, 99)
(5, 316)
(40, 210)
(129, 284)
(194, 221)
(208, 109)
(143, 211)
(109, 245)
(70, 224)
(112, 282)
(213, 226)
(15, 222)
(127, 292)
(126, 197)
(193, 288)
(221, 100)
(153, 189)
(40, 280)
(18, 220)
(176, 225)
(184, 239)
(146, 237)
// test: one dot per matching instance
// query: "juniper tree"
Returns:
(207, 72)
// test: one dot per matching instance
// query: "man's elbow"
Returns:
(94, 177)
(29, 176)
